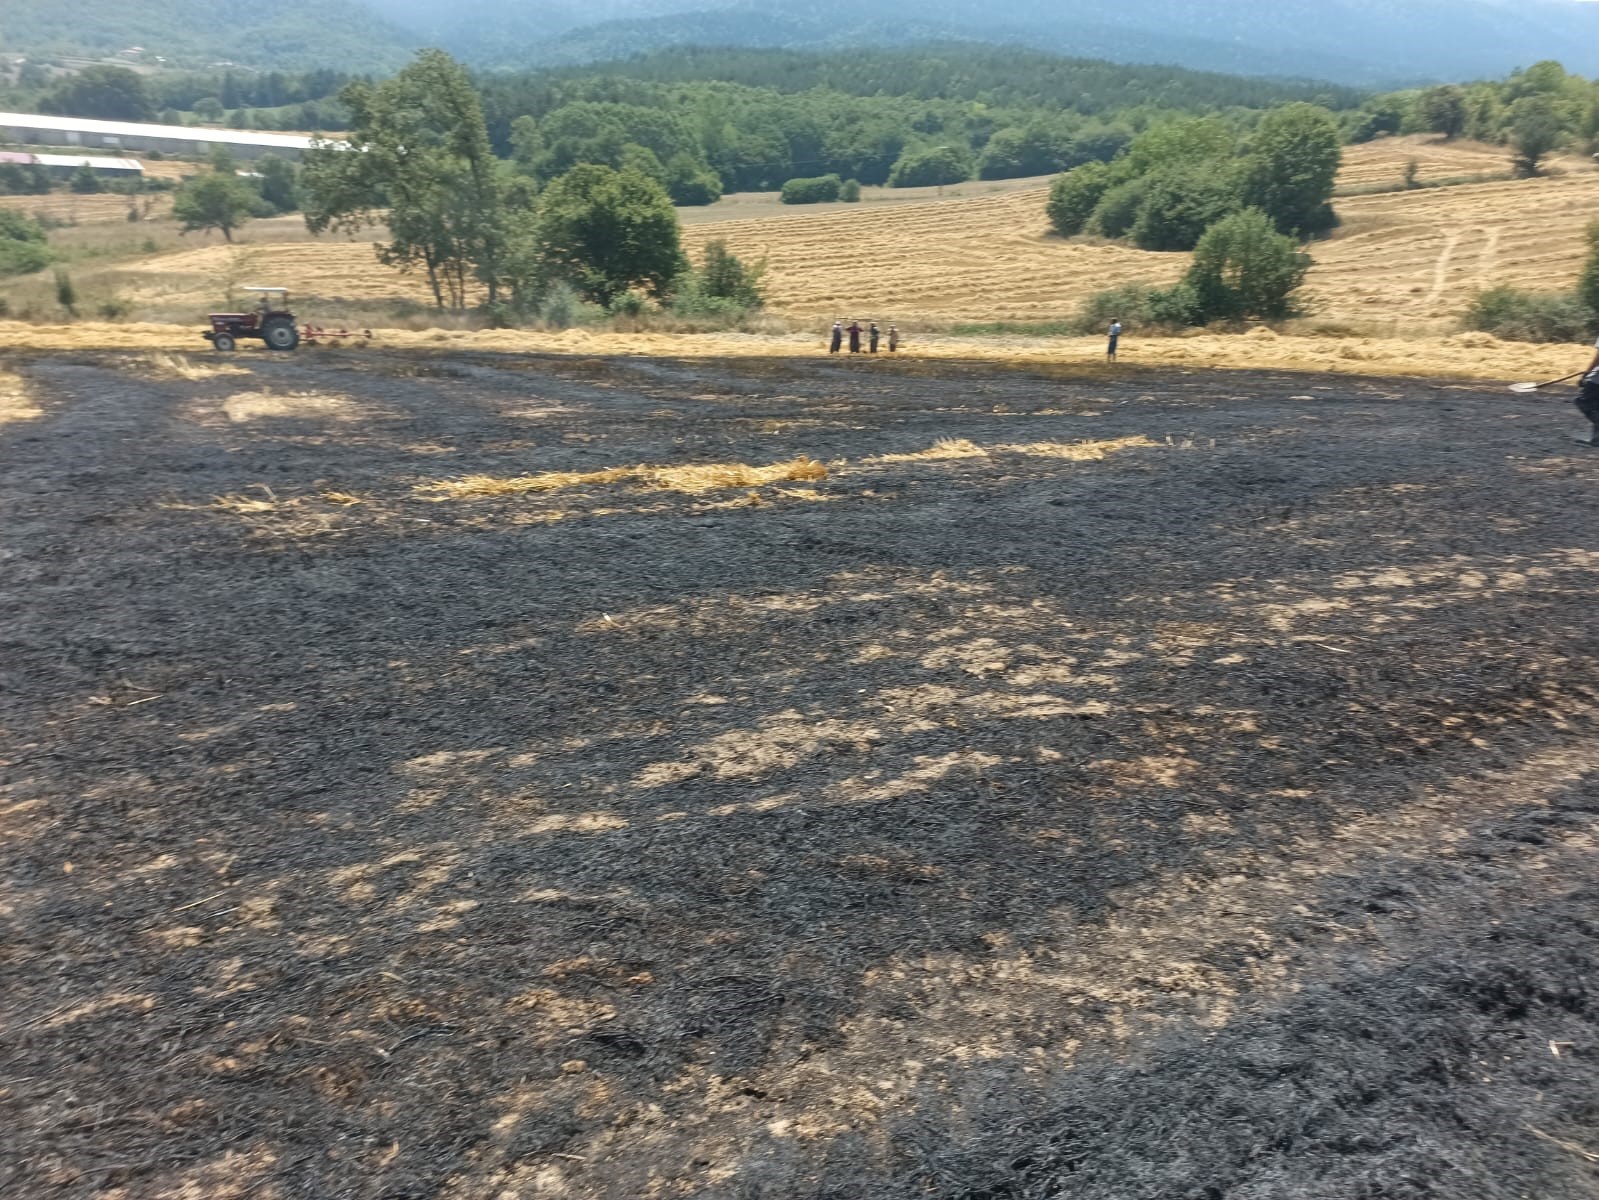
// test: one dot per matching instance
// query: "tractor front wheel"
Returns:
(223, 341)
(280, 335)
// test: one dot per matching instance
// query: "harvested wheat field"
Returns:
(1418, 256)
(1381, 164)
(485, 777)
(1464, 355)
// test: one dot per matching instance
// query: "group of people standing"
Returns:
(854, 332)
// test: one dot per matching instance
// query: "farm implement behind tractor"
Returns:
(273, 323)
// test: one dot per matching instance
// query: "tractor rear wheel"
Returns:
(223, 341)
(280, 334)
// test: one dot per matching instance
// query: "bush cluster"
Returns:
(823, 189)
(1242, 268)
(1177, 179)
(23, 249)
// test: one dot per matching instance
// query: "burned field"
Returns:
(486, 777)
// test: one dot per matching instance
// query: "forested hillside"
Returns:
(1364, 42)
(1357, 41)
(284, 35)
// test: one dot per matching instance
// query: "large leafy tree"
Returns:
(1184, 200)
(1443, 110)
(1074, 196)
(1244, 268)
(1536, 130)
(216, 200)
(604, 232)
(103, 93)
(1292, 168)
(417, 159)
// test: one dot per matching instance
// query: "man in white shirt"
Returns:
(1115, 340)
(1588, 399)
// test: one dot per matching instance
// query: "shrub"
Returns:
(85, 182)
(691, 183)
(1588, 284)
(823, 189)
(725, 276)
(66, 292)
(1522, 316)
(850, 192)
(560, 306)
(1244, 268)
(1181, 202)
(22, 244)
(1139, 306)
(1074, 196)
(628, 304)
(931, 167)
(1117, 209)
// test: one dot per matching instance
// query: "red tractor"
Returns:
(270, 320)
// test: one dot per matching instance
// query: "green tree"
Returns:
(418, 162)
(1536, 129)
(824, 189)
(1118, 209)
(605, 232)
(23, 248)
(277, 183)
(209, 108)
(691, 183)
(1442, 110)
(66, 292)
(850, 191)
(1074, 196)
(1292, 168)
(1191, 139)
(213, 201)
(724, 275)
(1244, 268)
(1182, 201)
(931, 167)
(84, 181)
(102, 92)
(1588, 284)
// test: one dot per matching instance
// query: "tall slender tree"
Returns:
(416, 158)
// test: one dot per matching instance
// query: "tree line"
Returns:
(1534, 112)
(420, 163)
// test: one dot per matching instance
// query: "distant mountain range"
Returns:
(1373, 42)
(1366, 42)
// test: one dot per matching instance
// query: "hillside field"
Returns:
(1403, 262)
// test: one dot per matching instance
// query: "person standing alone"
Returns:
(1588, 400)
(1115, 340)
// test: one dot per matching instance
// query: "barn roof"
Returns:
(186, 133)
(97, 161)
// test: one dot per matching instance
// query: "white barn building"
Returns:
(34, 129)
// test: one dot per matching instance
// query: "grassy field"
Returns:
(1402, 263)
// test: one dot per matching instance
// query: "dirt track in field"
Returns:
(1128, 786)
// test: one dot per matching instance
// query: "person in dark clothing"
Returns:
(871, 338)
(838, 337)
(854, 332)
(1588, 400)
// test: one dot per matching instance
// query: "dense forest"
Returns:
(756, 119)
(286, 35)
